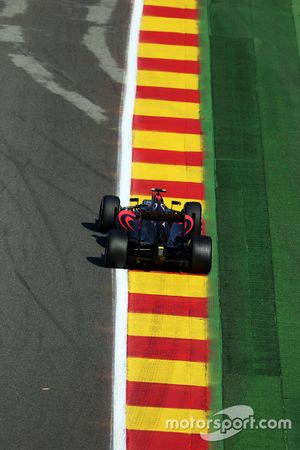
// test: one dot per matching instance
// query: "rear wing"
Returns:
(169, 217)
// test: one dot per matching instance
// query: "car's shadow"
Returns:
(91, 226)
(100, 262)
(101, 241)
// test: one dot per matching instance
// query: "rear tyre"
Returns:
(116, 249)
(201, 254)
(109, 208)
(194, 209)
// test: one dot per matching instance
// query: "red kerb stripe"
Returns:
(168, 65)
(167, 124)
(168, 304)
(173, 13)
(169, 38)
(167, 395)
(176, 189)
(164, 440)
(167, 348)
(177, 95)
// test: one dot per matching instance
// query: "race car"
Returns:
(151, 235)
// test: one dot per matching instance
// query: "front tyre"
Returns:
(194, 210)
(109, 208)
(201, 254)
(116, 249)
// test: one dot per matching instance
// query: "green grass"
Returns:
(215, 366)
(256, 110)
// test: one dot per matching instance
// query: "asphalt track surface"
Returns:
(56, 161)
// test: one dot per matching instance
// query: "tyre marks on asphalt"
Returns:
(167, 345)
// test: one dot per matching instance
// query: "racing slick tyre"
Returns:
(109, 208)
(194, 210)
(201, 254)
(116, 249)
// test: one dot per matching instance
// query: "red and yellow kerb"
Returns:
(167, 348)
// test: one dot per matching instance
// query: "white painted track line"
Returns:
(13, 8)
(42, 76)
(95, 38)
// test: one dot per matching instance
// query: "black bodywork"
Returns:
(149, 234)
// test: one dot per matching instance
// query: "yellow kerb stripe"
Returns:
(164, 325)
(157, 140)
(167, 172)
(180, 52)
(164, 108)
(167, 371)
(150, 23)
(167, 79)
(159, 283)
(162, 419)
(168, 200)
(192, 4)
